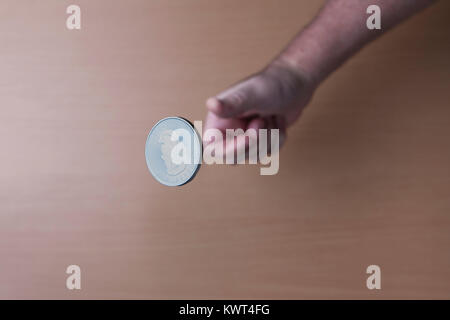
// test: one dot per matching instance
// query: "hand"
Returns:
(271, 99)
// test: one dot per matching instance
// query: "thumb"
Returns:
(234, 101)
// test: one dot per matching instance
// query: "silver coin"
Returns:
(170, 166)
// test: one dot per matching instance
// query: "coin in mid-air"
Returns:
(173, 151)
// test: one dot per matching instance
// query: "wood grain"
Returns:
(364, 177)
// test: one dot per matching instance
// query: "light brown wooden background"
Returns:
(364, 177)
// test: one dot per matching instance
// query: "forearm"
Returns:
(338, 31)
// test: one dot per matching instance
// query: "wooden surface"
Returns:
(364, 177)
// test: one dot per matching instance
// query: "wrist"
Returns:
(316, 51)
(302, 75)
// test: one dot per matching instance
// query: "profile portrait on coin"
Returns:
(173, 151)
(167, 145)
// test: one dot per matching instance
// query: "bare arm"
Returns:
(339, 30)
(276, 96)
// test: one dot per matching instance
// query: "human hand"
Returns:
(270, 99)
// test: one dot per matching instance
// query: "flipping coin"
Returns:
(173, 151)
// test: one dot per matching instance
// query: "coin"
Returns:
(170, 166)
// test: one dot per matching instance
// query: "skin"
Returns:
(275, 96)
